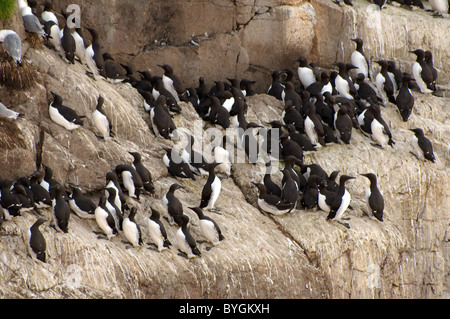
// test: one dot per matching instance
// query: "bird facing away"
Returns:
(36, 241)
(423, 148)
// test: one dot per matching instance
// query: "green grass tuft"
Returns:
(7, 9)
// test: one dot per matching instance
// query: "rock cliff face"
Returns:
(298, 255)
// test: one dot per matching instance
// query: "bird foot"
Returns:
(183, 254)
(209, 248)
(415, 155)
(346, 218)
(345, 225)
(216, 210)
(376, 145)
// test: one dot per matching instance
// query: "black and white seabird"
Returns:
(440, 7)
(104, 219)
(48, 182)
(405, 100)
(246, 87)
(116, 212)
(202, 89)
(81, 204)
(63, 115)
(314, 127)
(384, 83)
(289, 94)
(131, 229)
(218, 114)
(210, 229)
(310, 197)
(300, 139)
(271, 187)
(422, 72)
(423, 148)
(271, 203)
(162, 123)
(80, 46)
(176, 165)
(359, 58)
(299, 179)
(365, 90)
(113, 72)
(185, 242)
(289, 147)
(332, 185)
(173, 83)
(157, 231)
(10, 202)
(22, 190)
(371, 122)
(313, 169)
(42, 198)
(340, 202)
(325, 108)
(223, 157)
(379, 3)
(132, 181)
(305, 72)
(429, 61)
(290, 115)
(101, 120)
(343, 124)
(198, 164)
(211, 189)
(322, 86)
(160, 89)
(53, 35)
(343, 84)
(61, 210)
(173, 204)
(374, 198)
(48, 14)
(225, 96)
(94, 55)
(12, 44)
(143, 172)
(67, 42)
(37, 245)
(112, 180)
(276, 88)
(290, 189)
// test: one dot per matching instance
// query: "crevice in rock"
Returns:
(39, 148)
(261, 10)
